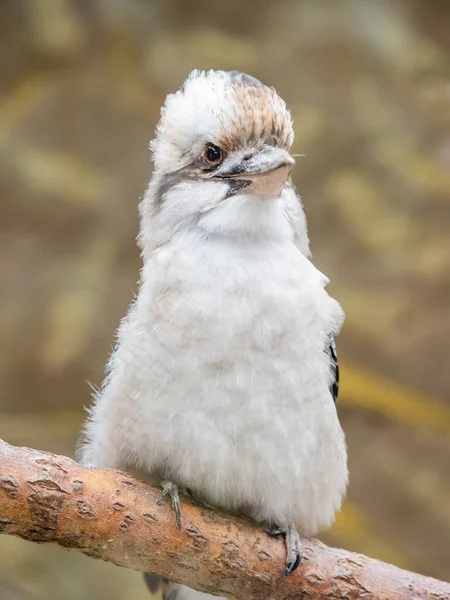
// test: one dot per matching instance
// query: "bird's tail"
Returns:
(156, 584)
(174, 591)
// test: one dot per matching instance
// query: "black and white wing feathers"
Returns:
(334, 366)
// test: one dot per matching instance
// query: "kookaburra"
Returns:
(224, 378)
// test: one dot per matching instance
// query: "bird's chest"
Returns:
(234, 317)
(218, 347)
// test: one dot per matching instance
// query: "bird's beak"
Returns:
(263, 173)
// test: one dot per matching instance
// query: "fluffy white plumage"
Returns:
(220, 379)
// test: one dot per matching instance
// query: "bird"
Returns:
(224, 378)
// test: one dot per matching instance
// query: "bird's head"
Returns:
(221, 156)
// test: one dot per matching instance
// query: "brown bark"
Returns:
(107, 514)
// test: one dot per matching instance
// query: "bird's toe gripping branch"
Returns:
(170, 489)
(293, 547)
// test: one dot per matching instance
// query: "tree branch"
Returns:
(109, 515)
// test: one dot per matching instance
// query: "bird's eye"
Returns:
(212, 154)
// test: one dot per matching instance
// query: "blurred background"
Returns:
(368, 83)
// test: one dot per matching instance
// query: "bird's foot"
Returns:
(293, 547)
(170, 489)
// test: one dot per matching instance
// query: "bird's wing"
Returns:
(334, 365)
(296, 217)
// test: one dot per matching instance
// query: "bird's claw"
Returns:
(293, 547)
(170, 489)
(276, 532)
